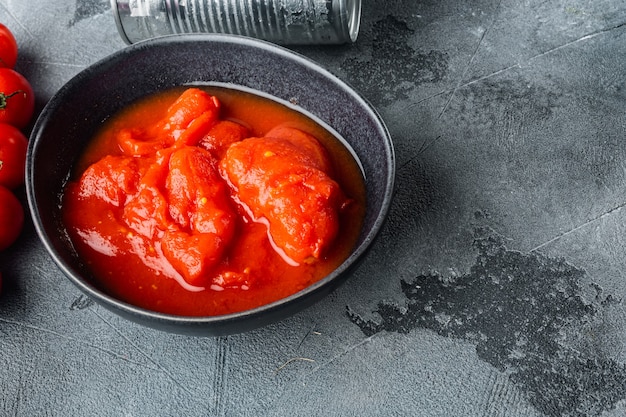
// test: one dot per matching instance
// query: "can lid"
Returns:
(118, 22)
(353, 8)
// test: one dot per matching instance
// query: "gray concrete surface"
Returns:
(497, 287)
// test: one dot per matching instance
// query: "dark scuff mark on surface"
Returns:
(487, 99)
(518, 308)
(220, 378)
(394, 68)
(81, 302)
(89, 8)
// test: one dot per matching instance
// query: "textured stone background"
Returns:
(496, 289)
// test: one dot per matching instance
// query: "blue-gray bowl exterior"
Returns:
(80, 107)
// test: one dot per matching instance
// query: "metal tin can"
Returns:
(279, 21)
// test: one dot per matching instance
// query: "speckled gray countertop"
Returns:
(496, 289)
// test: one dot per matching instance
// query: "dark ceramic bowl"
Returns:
(72, 116)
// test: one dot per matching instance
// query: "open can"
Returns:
(279, 21)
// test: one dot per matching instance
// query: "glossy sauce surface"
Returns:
(174, 219)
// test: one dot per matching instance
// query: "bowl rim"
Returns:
(87, 73)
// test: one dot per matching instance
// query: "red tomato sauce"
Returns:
(207, 201)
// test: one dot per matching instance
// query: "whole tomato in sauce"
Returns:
(304, 204)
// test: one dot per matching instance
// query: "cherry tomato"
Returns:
(11, 218)
(13, 146)
(17, 100)
(8, 48)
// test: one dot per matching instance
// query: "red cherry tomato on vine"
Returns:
(13, 146)
(17, 100)
(8, 48)
(11, 218)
